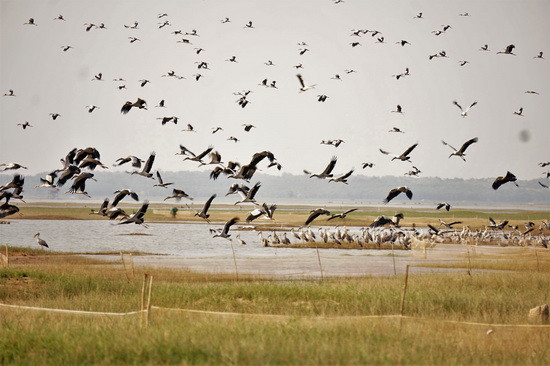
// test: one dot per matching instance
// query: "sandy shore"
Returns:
(305, 264)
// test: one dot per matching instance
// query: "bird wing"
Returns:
(433, 228)
(346, 175)
(254, 214)
(312, 217)
(126, 108)
(498, 182)
(466, 144)
(203, 154)
(134, 196)
(149, 163)
(185, 150)
(104, 205)
(254, 190)
(444, 143)
(142, 210)
(207, 204)
(349, 211)
(408, 151)
(301, 79)
(159, 178)
(330, 166)
(409, 193)
(119, 197)
(439, 205)
(384, 152)
(229, 224)
(392, 194)
(458, 105)
(492, 221)
(471, 105)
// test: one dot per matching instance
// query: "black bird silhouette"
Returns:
(139, 103)
(509, 177)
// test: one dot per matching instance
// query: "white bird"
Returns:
(464, 111)
(460, 152)
(303, 84)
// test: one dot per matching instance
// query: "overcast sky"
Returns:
(45, 80)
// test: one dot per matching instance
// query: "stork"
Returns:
(225, 231)
(460, 152)
(146, 171)
(396, 191)
(304, 87)
(327, 172)
(40, 241)
(464, 112)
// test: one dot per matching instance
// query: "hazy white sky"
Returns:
(289, 123)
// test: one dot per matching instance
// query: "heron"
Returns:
(40, 241)
(161, 182)
(327, 172)
(509, 177)
(316, 213)
(225, 231)
(139, 103)
(461, 152)
(396, 191)
(146, 171)
(304, 87)
(464, 112)
(123, 193)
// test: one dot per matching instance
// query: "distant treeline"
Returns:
(289, 187)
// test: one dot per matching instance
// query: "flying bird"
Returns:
(316, 213)
(343, 178)
(396, 191)
(123, 193)
(225, 231)
(509, 177)
(304, 87)
(464, 112)
(341, 215)
(161, 182)
(460, 152)
(146, 171)
(79, 184)
(508, 50)
(204, 212)
(137, 217)
(139, 103)
(327, 172)
(178, 194)
(443, 204)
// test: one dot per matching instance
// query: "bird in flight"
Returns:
(464, 112)
(460, 152)
(396, 191)
(304, 87)
(509, 177)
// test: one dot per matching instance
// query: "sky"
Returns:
(289, 123)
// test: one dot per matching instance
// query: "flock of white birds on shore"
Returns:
(78, 165)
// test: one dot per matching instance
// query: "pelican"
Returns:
(343, 178)
(123, 193)
(139, 103)
(316, 213)
(225, 231)
(509, 177)
(460, 152)
(396, 191)
(178, 194)
(341, 215)
(327, 172)
(136, 217)
(79, 184)
(464, 112)
(161, 183)
(41, 242)
(303, 84)
(508, 50)
(146, 171)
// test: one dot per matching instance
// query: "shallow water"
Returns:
(192, 240)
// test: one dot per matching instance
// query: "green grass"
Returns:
(321, 321)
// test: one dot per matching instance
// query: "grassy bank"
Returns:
(293, 216)
(321, 321)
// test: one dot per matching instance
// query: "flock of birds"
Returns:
(78, 165)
